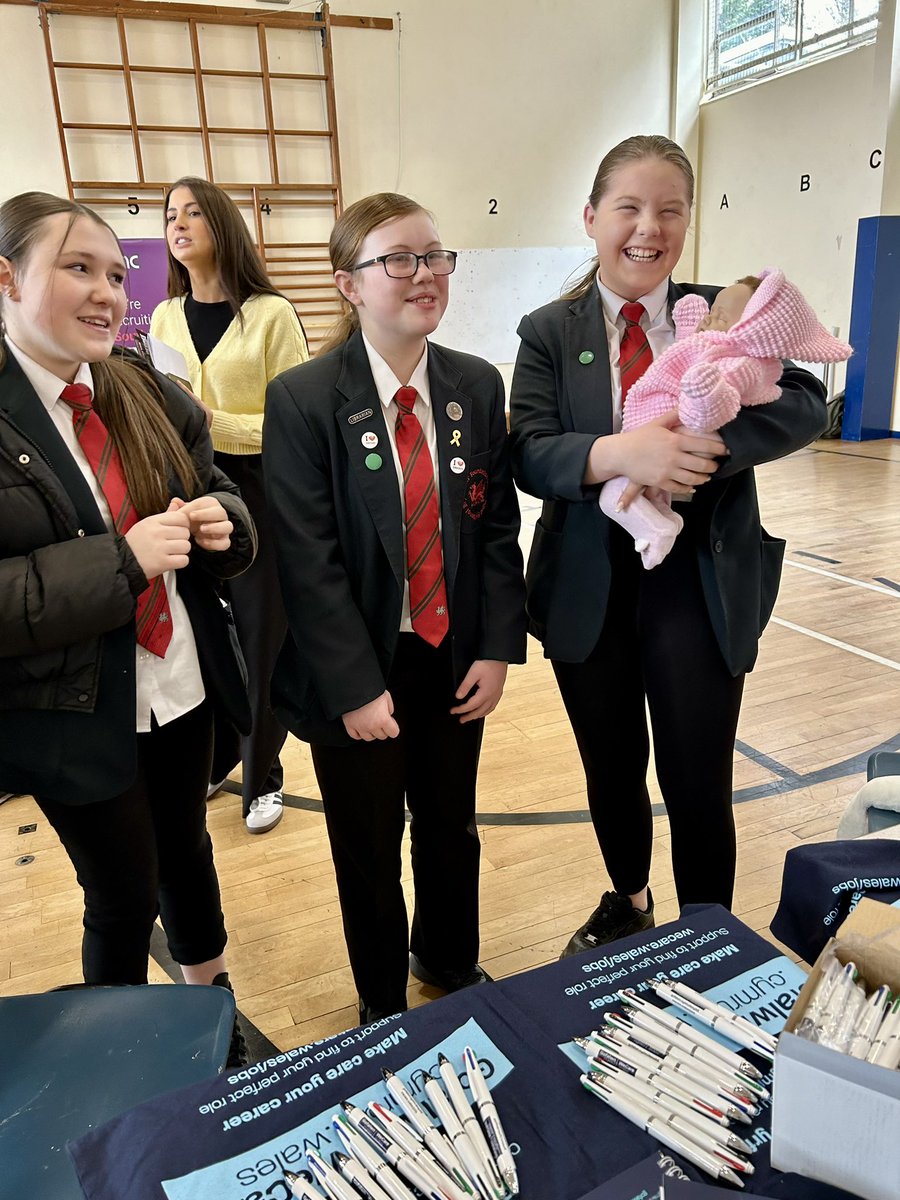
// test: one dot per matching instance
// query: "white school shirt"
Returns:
(656, 323)
(166, 687)
(387, 384)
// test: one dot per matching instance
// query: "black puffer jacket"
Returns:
(68, 591)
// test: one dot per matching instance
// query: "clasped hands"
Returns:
(480, 693)
(664, 456)
(162, 542)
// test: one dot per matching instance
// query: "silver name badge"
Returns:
(360, 416)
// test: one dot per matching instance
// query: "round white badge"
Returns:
(369, 440)
(457, 465)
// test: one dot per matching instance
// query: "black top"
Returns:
(207, 323)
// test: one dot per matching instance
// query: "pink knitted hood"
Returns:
(779, 323)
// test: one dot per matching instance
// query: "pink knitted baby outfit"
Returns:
(708, 377)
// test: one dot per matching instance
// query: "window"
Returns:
(753, 39)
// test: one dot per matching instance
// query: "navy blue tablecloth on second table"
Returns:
(231, 1139)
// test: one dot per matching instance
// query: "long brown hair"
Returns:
(126, 398)
(238, 264)
(350, 231)
(633, 149)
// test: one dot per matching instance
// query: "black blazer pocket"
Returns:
(771, 551)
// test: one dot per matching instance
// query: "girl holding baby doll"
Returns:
(680, 638)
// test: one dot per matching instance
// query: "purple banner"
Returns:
(146, 284)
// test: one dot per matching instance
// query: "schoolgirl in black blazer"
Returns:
(111, 737)
(679, 638)
(392, 708)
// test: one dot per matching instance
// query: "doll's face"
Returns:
(728, 308)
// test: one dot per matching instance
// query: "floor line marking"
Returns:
(872, 587)
(830, 641)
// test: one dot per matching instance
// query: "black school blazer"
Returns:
(559, 405)
(68, 590)
(339, 532)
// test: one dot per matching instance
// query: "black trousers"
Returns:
(147, 853)
(657, 643)
(261, 625)
(433, 763)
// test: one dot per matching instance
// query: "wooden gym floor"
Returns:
(824, 695)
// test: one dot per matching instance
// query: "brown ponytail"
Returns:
(633, 149)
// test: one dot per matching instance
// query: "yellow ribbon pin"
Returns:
(455, 439)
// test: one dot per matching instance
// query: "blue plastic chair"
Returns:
(73, 1059)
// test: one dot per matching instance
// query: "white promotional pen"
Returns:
(407, 1139)
(656, 1097)
(490, 1118)
(468, 1155)
(300, 1189)
(685, 1072)
(698, 1005)
(358, 1178)
(836, 1000)
(336, 1187)
(667, 1046)
(840, 1033)
(868, 1022)
(699, 1100)
(706, 1160)
(356, 1145)
(398, 1158)
(439, 1145)
(885, 1043)
(722, 1025)
(469, 1122)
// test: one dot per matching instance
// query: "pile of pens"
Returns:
(467, 1158)
(844, 1015)
(677, 1083)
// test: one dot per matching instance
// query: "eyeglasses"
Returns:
(403, 264)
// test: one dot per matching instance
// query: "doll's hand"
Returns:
(487, 677)
(373, 722)
(210, 525)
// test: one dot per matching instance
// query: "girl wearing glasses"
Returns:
(236, 332)
(396, 529)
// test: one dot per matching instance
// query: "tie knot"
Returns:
(406, 399)
(632, 312)
(77, 395)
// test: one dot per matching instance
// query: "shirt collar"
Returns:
(387, 383)
(47, 385)
(655, 302)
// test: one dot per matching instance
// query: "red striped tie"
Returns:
(153, 616)
(635, 355)
(424, 564)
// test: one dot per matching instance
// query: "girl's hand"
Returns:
(662, 456)
(487, 676)
(374, 721)
(161, 543)
(210, 525)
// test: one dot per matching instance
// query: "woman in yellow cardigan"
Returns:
(236, 333)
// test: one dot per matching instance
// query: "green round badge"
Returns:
(374, 462)
(586, 356)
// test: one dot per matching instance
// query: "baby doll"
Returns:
(722, 359)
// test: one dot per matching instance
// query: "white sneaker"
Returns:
(265, 812)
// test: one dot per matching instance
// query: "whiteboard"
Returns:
(491, 290)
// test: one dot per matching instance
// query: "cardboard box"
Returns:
(834, 1118)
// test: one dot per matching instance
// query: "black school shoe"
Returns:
(448, 980)
(614, 917)
(368, 1013)
(238, 1054)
